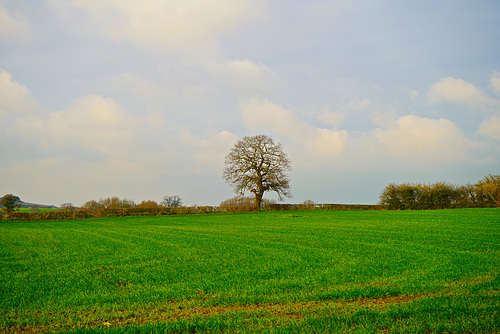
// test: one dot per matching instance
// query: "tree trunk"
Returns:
(258, 199)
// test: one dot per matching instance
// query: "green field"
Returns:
(39, 209)
(270, 272)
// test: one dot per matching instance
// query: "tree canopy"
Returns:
(9, 202)
(258, 164)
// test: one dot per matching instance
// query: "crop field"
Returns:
(264, 272)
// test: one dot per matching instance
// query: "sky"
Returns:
(143, 99)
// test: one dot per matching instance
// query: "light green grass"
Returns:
(274, 272)
(40, 209)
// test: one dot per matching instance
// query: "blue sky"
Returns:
(141, 99)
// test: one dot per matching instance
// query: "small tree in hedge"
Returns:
(173, 201)
(10, 203)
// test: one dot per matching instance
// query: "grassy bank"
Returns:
(303, 271)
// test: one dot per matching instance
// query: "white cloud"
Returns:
(134, 83)
(495, 82)
(208, 152)
(325, 143)
(173, 24)
(331, 118)
(261, 114)
(243, 77)
(421, 140)
(13, 27)
(457, 90)
(93, 122)
(14, 97)
(491, 128)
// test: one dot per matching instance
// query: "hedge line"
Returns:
(80, 214)
(440, 195)
(49, 215)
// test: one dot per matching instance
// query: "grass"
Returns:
(39, 209)
(273, 272)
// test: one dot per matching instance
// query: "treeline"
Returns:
(440, 195)
(172, 201)
(229, 206)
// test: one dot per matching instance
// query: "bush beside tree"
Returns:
(248, 202)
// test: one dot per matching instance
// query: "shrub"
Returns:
(488, 191)
(244, 204)
(92, 205)
(148, 205)
(441, 195)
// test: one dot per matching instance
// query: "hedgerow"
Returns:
(163, 211)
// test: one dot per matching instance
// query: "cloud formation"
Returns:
(208, 153)
(420, 139)
(14, 97)
(457, 90)
(243, 77)
(264, 115)
(93, 123)
(331, 118)
(491, 128)
(174, 24)
(13, 27)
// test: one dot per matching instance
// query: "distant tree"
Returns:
(258, 164)
(443, 195)
(109, 203)
(116, 203)
(466, 196)
(488, 189)
(391, 197)
(92, 205)
(173, 201)
(10, 203)
(148, 205)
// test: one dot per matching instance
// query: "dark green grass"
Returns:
(306, 271)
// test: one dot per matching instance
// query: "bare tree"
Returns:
(258, 164)
(173, 201)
